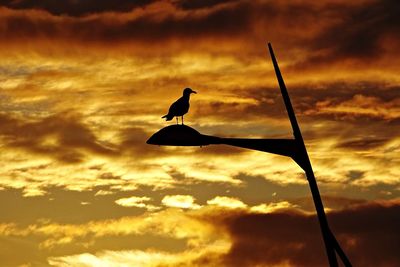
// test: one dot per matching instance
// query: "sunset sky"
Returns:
(84, 83)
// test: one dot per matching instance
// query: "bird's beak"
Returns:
(194, 92)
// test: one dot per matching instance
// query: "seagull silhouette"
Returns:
(180, 107)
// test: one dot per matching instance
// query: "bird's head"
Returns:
(188, 91)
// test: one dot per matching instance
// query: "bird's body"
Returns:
(180, 107)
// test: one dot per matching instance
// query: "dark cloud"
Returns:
(76, 8)
(360, 34)
(368, 234)
(330, 202)
(62, 136)
(143, 27)
(362, 144)
(198, 4)
(334, 31)
(355, 175)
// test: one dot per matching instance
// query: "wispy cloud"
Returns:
(139, 202)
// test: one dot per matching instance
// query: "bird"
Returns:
(180, 107)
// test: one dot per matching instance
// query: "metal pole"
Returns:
(340, 251)
(330, 251)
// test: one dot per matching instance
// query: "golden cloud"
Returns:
(227, 202)
(201, 256)
(139, 202)
(265, 234)
(180, 201)
(84, 85)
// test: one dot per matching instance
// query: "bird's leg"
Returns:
(182, 120)
(177, 120)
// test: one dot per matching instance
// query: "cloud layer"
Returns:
(83, 85)
(227, 237)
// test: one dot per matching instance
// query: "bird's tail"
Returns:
(167, 117)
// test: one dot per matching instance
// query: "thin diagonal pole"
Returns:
(306, 165)
(340, 251)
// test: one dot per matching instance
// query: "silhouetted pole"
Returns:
(306, 165)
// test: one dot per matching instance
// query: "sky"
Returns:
(83, 85)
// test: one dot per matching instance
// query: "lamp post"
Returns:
(182, 135)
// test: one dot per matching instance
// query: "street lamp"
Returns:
(182, 135)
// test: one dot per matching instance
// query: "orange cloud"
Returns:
(305, 37)
(249, 239)
(83, 84)
(361, 105)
